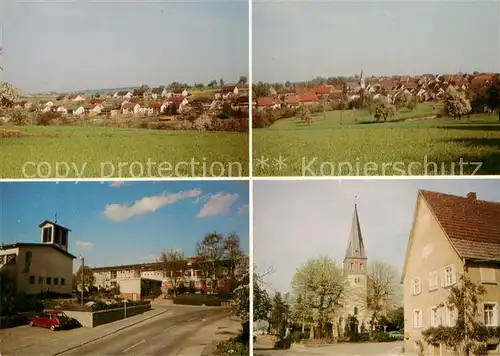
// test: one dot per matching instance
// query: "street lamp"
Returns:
(83, 280)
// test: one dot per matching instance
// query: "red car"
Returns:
(52, 320)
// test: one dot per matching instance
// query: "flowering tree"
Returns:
(8, 95)
(319, 285)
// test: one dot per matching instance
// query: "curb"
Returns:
(111, 333)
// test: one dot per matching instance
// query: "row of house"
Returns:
(426, 88)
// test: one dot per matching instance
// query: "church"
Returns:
(355, 271)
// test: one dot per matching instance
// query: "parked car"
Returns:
(53, 320)
(396, 335)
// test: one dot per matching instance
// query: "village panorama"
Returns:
(429, 122)
(170, 122)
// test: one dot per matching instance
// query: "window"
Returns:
(490, 314)
(40, 280)
(449, 276)
(57, 235)
(113, 274)
(355, 310)
(47, 234)
(452, 317)
(434, 317)
(433, 280)
(48, 281)
(356, 280)
(64, 237)
(32, 279)
(56, 281)
(487, 275)
(415, 286)
(63, 282)
(417, 318)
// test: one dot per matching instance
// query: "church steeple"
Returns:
(355, 256)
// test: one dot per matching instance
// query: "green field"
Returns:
(360, 146)
(94, 152)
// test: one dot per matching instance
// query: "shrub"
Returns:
(383, 337)
(46, 118)
(298, 336)
(284, 344)
(19, 118)
(231, 347)
(197, 300)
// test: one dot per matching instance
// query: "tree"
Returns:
(320, 285)
(305, 115)
(456, 104)
(280, 316)
(323, 103)
(261, 299)
(401, 100)
(221, 82)
(8, 95)
(382, 290)
(261, 89)
(241, 295)
(145, 87)
(493, 95)
(384, 109)
(468, 335)
(243, 80)
(88, 278)
(174, 264)
(212, 83)
(215, 252)
(396, 318)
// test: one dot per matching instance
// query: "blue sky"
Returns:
(126, 223)
(65, 46)
(305, 39)
(298, 220)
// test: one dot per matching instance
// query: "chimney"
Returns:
(471, 196)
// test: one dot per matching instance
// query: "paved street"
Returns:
(343, 349)
(174, 331)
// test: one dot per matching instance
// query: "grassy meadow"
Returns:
(352, 143)
(92, 152)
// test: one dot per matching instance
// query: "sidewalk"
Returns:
(208, 336)
(24, 340)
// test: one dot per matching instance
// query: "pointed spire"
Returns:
(355, 247)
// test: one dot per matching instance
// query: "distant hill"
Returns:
(99, 91)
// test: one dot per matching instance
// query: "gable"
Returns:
(427, 244)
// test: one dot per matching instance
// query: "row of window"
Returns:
(48, 280)
(445, 316)
(448, 278)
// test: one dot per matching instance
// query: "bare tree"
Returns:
(382, 290)
(174, 266)
(211, 251)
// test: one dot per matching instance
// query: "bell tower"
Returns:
(54, 234)
(356, 273)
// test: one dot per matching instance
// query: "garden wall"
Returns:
(101, 317)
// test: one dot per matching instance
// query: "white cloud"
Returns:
(84, 245)
(242, 209)
(146, 205)
(218, 204)
(117, 184)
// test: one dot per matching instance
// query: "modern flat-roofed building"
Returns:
(40, 267)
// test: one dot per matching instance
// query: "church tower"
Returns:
(362, 83)
(356, 274)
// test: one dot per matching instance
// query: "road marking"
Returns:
(194, 318)
(170, 327)
(131, 347)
